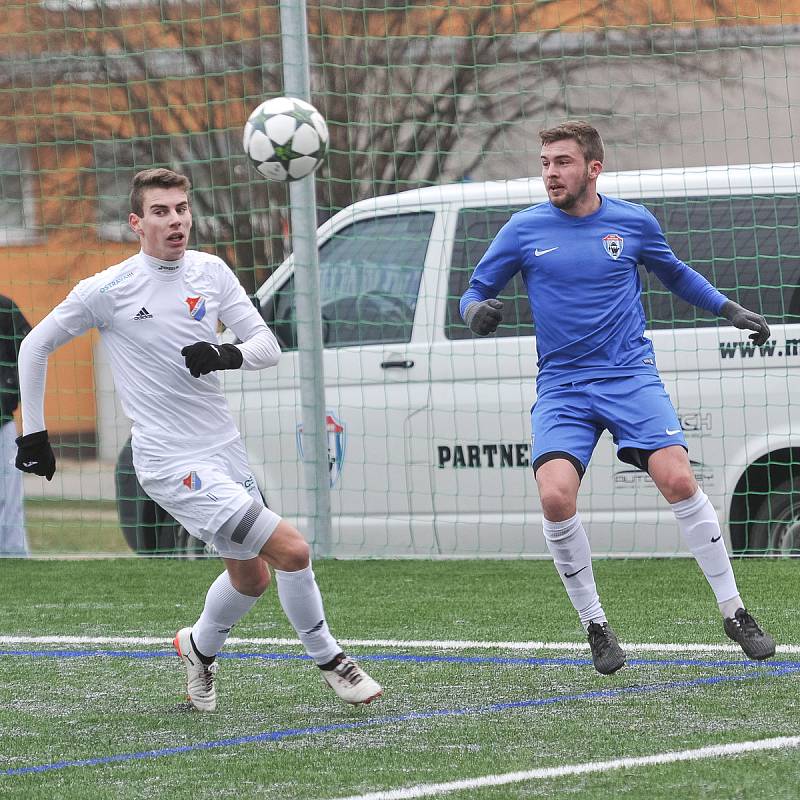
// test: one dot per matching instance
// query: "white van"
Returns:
(429, 426)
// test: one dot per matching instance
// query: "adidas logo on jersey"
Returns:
(143, 313)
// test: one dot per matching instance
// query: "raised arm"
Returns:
(257, 343)
(479, 307)
(257, 348)
(692, 287)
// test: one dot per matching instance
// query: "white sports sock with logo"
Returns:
(224, 607)
(699, 524)
(572, 556)
(302, 603)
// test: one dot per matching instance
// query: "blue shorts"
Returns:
(567, 420)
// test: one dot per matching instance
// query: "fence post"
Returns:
(297, 83)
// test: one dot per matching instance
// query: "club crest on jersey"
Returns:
(197, 307)
(336, 445)
(613, 244)
(192, 481)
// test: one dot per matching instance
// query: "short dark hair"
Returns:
(157, 178)
(586, 136)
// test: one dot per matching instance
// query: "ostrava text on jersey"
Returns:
(145, 315)
(584, 288)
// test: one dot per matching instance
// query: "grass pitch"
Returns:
(87, 720)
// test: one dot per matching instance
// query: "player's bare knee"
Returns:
(262, 583)
(558, 477)
(678, 487)
(257, 588)
(260, 586)
(675, 484)
(286, 549)
(297, 556)
(558, 503)
(249, 577)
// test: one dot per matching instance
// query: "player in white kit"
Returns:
(157, 314)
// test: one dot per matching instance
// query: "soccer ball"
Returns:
(286, 139)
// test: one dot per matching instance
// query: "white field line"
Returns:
(401, 644)
(713, 751)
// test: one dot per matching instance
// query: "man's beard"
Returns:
(570, 200)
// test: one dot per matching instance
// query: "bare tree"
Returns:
(426, 101)
(189, 116)
(413, 95)
(180, 104)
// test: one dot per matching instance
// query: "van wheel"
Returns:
(776, 527)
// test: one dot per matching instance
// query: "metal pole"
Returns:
(297, 83)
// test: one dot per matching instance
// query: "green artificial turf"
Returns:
(446, 714)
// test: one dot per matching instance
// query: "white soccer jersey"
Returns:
(145, 315)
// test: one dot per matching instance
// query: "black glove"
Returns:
(747, 320)
(204, 357)
(35, 455)
(484, 317)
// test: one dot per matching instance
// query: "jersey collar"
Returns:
(162, 269)
(588, 218)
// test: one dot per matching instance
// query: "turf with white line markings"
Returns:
(416, 716)
(772, 666)
(486, 781)
(411, 644)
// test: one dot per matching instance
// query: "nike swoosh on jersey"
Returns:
(672, 433)
(716, 538)
(538, 252)
(29, 463)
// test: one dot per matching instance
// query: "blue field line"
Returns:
(285, 733)
(557, 661)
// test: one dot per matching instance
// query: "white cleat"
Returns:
(351, 683)
(199, 676)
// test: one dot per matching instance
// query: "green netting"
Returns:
(428, 429)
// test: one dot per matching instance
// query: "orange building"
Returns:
(67, 113)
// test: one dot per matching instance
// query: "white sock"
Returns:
(302, 603)
(699, 524)
(729, 608)
(224, 607)
(572, 556)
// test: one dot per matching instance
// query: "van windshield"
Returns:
(370, 273)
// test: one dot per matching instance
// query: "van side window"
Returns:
(474, 232)
(370, 273)
(747, 246)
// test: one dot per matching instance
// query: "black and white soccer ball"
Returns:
(286, 138)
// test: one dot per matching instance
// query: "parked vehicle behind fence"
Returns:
(429, 439)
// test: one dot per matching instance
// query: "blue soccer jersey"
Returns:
(584, 288)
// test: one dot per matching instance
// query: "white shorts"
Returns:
(203, 495)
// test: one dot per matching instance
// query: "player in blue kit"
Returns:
(578, 255)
